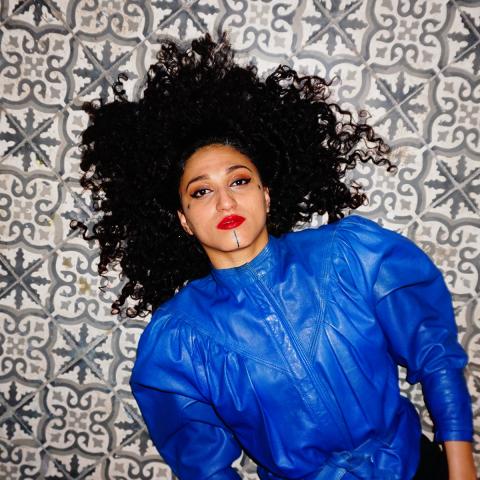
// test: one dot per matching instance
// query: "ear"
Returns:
(183, 222)
(266, 194)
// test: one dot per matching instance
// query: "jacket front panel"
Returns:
(290, 351)
(288, 313)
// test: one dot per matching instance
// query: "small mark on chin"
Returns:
(236, 238)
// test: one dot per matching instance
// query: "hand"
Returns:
(460, 460)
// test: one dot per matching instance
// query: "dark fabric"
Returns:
(433, 461)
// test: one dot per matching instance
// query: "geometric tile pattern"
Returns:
(66, 411)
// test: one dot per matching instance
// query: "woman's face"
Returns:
(224, 204)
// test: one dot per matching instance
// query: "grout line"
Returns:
(32, 268)
(112, 452)
(81, 354)
(465, 18)
(14, 11)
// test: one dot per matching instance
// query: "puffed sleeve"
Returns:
(414, 308)
(184, 427)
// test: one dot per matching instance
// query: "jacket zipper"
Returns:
(322, 389)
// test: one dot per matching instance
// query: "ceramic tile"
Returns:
(25, 460)
(453, 124)
(66, 408)
(39, 211)
(35, 66)
(423, 36)
(453, 245)
(29, 340)
(74, 296)
(138, 459)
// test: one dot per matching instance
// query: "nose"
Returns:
(225, 200)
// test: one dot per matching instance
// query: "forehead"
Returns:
(215, 159)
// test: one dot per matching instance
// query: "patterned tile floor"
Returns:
(66, 411)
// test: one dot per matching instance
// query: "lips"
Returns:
(232, 221)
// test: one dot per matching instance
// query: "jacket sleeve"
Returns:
(414, 308)
(185, 429)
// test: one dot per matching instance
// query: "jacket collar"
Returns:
(260, 266)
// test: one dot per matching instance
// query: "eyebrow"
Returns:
(227, 170)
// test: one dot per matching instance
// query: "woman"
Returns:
(285, 344)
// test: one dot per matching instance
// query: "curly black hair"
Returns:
(133, 154)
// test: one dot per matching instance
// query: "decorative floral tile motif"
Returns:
(413, 65)
(16, 263)
(337, 8)
(34, 65)
(7, 7)
(27, 339)
(24, 460)
(26, 158)
(353, 87)
(137, 459)
(35, 13)
(460, 166)
(271, 29)
(454, 125)
(468, 321)
(39, 209)
(472, 191)
(397, 198)
(74, 296)
(108, 29)
(115, 355)
(58, 144)
(77, 419)
(181, 25)
(29, 119)
(207, 13)
(10, 135)
(454, 247)
(423, 36)
(469, 9)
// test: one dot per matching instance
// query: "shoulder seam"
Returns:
(227, 345)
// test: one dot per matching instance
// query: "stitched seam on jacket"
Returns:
(229, 346)
(342, 240)
(323, 304)
(320, 308)
(290, 373)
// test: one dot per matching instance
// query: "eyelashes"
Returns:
(244, 181)
(199, 193)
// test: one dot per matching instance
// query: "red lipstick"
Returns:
(232, 221)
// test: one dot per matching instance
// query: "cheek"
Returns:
(196, 215)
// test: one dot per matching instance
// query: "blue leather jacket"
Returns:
(293, 357)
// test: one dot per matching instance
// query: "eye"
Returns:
(199, 193)
(241, 181)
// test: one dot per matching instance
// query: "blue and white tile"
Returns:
(27, 339)
(34, 67)
(78, 420)
(137, 459)
(454, 246)
(454, 120)
(74, 297)
(40, 209)
(468, 321)
(338, 8)
(10, 134)
(20, 262)
(417, 39)
(107, 29)
(25, 460)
